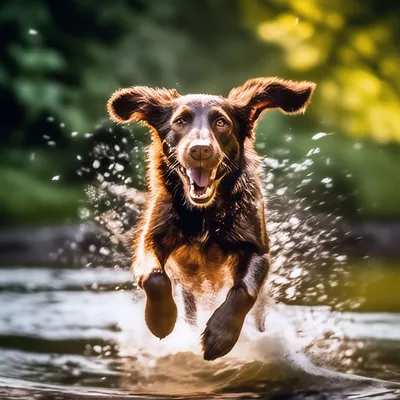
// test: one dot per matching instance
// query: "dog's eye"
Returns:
(221, 123)
(180, 121)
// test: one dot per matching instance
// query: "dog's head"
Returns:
(203, 135)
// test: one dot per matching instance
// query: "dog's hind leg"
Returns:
(189, 303)
(260, 307)
(224, 326)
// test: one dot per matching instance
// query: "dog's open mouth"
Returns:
(202, 183)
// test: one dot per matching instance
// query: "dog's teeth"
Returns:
(197, 195)
(207, 193)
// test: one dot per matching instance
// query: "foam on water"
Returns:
(259, 360)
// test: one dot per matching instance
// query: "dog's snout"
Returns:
(200, 149)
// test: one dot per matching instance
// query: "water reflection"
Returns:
(55, 332)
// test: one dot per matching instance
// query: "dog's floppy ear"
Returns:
(140, 103)
(259, 94)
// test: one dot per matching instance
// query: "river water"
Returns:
(79, 334)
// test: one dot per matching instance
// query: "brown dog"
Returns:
(204, 225)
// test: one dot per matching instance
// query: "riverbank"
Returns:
(80, 244)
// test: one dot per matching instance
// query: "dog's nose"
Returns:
(200, 149)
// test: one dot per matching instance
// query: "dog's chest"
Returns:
(200, 268)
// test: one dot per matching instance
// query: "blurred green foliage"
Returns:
(60, 60)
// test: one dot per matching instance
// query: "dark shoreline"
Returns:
(72, 244)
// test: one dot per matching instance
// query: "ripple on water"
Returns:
(85, 344)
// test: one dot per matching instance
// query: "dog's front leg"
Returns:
(161, 311)
(224, 326)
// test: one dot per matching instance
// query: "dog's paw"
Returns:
(161, 311)
(221, 334)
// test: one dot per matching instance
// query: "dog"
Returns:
(203, 227)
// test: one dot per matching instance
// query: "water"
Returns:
(79, 334)
(70, 333)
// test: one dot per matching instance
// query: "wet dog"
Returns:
(204, 227)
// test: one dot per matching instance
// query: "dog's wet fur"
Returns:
(204, 227)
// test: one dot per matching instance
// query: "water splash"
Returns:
(304, 248)
(304, 241)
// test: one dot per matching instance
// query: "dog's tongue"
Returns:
(200, 176)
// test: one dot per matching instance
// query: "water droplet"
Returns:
(260, 146)
(33, 32)
(313, 151)
(96, 164)
(271, 162)
(55, 178)
(290, 292)
(281, 191)
(97, 349)
(104, 251)
(296, 273)
(320, 135)
(294, 221)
